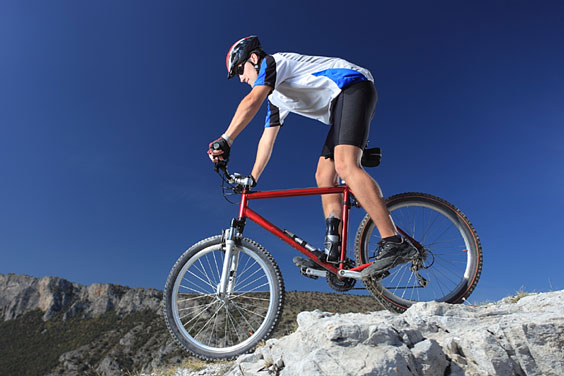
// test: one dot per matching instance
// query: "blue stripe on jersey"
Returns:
(261, 74)
(268, 116)
(272, 116)
(341, 76)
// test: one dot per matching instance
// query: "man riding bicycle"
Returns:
(335, 92)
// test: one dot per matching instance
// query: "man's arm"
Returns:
(247, 110)
(265, 146)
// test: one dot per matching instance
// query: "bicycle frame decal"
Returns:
(246, 212)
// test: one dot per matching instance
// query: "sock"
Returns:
(332, 224)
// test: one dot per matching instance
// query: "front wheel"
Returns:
(214, 325)
(451, 261)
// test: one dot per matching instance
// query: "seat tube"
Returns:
(345, 218)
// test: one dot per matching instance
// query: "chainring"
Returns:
(344, 284)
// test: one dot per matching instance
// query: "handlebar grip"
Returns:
(220, 165)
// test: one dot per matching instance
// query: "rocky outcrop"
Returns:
(52, 295)
(511, 337)
(506, 338)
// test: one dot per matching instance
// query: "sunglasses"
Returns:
(241, 68)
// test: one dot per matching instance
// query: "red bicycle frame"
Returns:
(246, 212)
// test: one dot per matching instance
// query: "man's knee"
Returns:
(347, 160)
(325, 176)
(345, 168)
(324, 179)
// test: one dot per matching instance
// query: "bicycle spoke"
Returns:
(212, 336)
(426, 232)
(200, 314)
(252, 282)
(245, 318)
(245, 267)
(230, 317)
(256, 288)
(248, 297)
(193, 290)
(201, 279)
(217, 268)
(214, 280)
(245, 279)
(210, 283)
(206, 324)
(246, 310)
(194, 298)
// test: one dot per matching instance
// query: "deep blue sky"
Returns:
(107, 108)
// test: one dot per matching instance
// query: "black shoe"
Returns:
(333, 247)
(309, 263)
(332, 239)
(391, 254)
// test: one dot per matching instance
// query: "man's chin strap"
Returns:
(257, 65)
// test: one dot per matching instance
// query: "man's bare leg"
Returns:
(326, 176)
(364, 188)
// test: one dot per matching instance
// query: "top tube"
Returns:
(295, 192)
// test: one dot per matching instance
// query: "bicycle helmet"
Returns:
(240, 52)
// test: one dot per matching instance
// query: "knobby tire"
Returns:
(454, 260)
(214, 327)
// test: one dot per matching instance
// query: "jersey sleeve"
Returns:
(267, 72)
(274, 117)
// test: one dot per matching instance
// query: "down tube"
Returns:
(249, 213)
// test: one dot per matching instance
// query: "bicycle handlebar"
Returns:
(238, 182)
(244, 181)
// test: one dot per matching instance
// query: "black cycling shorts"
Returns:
(352, 113)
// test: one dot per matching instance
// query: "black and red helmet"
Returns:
(241, 52)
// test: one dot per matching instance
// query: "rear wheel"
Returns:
(451, 263)
(221, 326)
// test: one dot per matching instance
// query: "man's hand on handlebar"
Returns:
(219, 150)
(219, 154)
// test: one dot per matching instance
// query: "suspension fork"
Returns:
(231, 260)
(229, 264)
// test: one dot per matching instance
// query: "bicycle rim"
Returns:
(453, 261)
(221, 327)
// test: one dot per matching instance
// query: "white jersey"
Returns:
(306, 85)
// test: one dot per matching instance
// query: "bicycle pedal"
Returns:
(304, 272)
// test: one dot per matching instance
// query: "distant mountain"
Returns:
(50, 326)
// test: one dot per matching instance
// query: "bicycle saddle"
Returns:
(371, 157)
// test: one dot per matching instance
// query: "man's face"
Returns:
(250, 74)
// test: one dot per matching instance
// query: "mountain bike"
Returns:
(225, 293)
